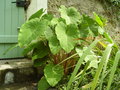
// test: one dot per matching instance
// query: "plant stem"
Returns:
(68, 58)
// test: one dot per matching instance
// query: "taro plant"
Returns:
(61, 43)
(100, 74)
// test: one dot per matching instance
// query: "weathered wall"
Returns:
(34, 6)
(88, 7)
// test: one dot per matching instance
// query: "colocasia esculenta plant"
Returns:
(57, 43)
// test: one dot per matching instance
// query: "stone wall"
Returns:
(88, 7)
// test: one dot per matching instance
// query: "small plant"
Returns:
(62, 43)
(115, 2)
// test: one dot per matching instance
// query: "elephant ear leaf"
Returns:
(66, 35)
(43, 84)
(53, 41)
(88, 26)
(40, 51)
(71, 15)
(31, 30)
(53, 74)
(38, 14)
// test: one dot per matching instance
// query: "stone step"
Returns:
(17, 71)
(20, 86)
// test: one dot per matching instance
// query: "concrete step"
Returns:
(17, 71)
(20, 86)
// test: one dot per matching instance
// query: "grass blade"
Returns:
(109, 39)
(83, 73)
(113, 69)
(103, 73)
(104, 58)
(107, 36)
(79, 63)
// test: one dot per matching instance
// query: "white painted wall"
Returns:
(34, 6)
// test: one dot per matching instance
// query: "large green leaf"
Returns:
(53, 41)
(55, 21)
(71, 15)
(38, 14)
(40, 51)
(30, 47)
(43, 84)
(40, 61)
(31, 30)
(90, 57)
(53, 74)
(67, 35)
(93, 61)
(87, 26)
(48, 17)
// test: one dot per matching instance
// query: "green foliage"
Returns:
(53, 73)
(40, 51)
(90, 57)
(31, 30)
(115, 2)
(83, 73)
(43, 84)
(38, 14)
(98, 20)
(104, 60)
(40, 62)
(62, 43)
(67, 35)
(53, 41)
(88, 26)
(113, 69)
(78, 65)
(71, 15)
(30, 47)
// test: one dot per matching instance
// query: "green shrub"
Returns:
(62, 43)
